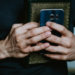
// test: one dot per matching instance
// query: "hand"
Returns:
(21, 38)
(66, 43)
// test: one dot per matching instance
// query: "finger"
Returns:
(57, 57)
(22, 35)
(30, 25)
(38, 38)
(39, 43)
(36, 31)
(21, 44)
(36, 48)
(23, 29)
(12, 30)
(40, 47)
(14, 27)
(58, 40)
(59, 28)
(54, 39)
(20, 38)
(20, 31)
(58, 49)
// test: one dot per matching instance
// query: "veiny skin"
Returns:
(66, 43)
(19, 42)
(22, 36)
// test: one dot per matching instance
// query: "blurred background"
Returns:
(71, 67)
(71, 64)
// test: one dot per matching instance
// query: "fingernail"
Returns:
(48, 33)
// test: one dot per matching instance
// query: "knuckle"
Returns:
(33, 41)
(52, 23)
(33, 49)
(22, 50)
(54, 38)
(28, 50)
(20, 46)
(45, 28)
(34, 23)
(32, 32)
(64, 58)
(16, 31)
(66, 52)
(42, 35)
(69, 43)
(42, 46)
(71, 35)
(14, 26)
(63, 29)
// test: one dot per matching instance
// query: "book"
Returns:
(33, 8)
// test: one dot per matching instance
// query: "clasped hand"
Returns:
(20, 42)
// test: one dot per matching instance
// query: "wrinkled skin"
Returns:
(21, 38)
(66, 43)
(19, 43)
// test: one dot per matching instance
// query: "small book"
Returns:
(33, 8)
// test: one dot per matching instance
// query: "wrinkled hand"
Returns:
(66, 43)
(21, 38)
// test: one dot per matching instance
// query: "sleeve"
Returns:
(11, 11)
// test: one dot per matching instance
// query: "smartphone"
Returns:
(51, 15)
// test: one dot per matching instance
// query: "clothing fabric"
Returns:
(20, 66)
(16, 68)
(12, 11)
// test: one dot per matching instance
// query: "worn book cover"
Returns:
(33, 8)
